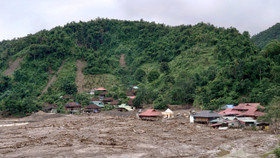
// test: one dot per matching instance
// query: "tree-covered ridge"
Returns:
(264, 37)
(198, 65)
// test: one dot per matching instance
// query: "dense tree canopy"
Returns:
(198, 65)
(263, 38)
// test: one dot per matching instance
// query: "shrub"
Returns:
(277, 152)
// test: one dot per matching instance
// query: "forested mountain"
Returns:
(264, 37)
(198, 65)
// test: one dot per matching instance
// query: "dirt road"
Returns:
(114, 134)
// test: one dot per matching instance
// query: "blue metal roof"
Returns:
(228, 107)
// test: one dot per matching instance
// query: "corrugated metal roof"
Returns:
(244, 109)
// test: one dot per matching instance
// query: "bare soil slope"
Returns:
(52, 79)
(80, 78)
(13, 65)
(114, 134)
(122, 60)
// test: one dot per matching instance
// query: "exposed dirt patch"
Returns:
(114, 134)
(80, 78)
(122, 60)
(13, 65)
(52, 78)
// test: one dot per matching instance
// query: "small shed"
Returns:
(51, 108)
(151, 115)
(168, 113)
(73, 107)
(92, 108)
(206, 116)
(100, 90)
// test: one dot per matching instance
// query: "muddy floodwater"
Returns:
(120, 134)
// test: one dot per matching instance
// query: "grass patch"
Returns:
(222, 153)
(267, 154)
(105, 80)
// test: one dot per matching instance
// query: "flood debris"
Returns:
(120, 134)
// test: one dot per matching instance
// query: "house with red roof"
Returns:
(151, 115)
(130, 93)
(100, 90)
(244, 110)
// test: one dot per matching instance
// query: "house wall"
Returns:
(191, 119)
(73, 110)
(235, 124)
(201, 119)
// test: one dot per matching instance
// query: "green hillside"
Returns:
(264, 37)
(198, 65)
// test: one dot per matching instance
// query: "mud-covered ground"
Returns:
(117, 134)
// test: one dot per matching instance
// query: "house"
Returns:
(168, 114)
(131, 93)
(107, 100)
(98, 103)
(247, 121)
(95, 99)
(225, 122)
(115, 102)
(205, 116)
(151, 115)
(51, 108)
(130, 102)
(124, 107)
(73, 107)
(98, 90)
(233, 122)
(103, 94)
(244, 110)
(92, 108)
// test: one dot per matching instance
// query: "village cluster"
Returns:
(242, 116)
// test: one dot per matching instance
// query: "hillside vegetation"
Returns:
(263, 38)
(198, 65)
